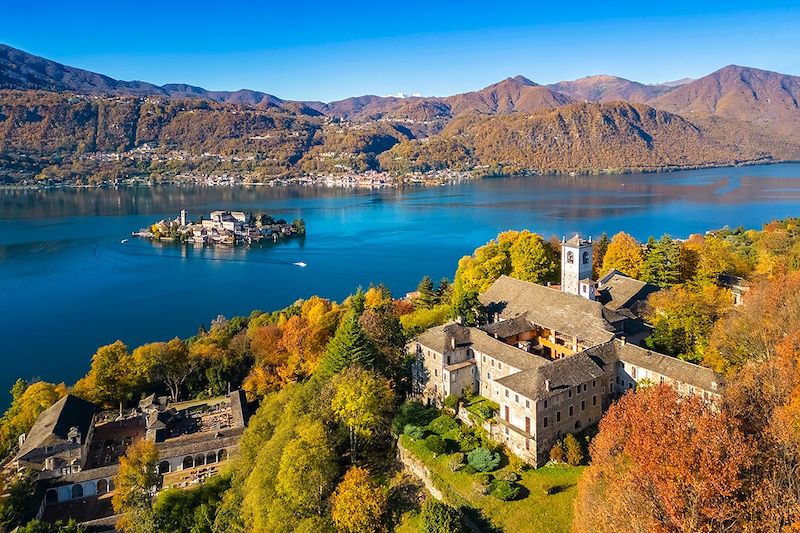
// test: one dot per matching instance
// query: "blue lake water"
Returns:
(68, 285)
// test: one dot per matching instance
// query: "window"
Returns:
(435, 372)
(528, 404)
(633, 372)
(516, 398)
(484, 358)
(545, 404)
(570, 393)
(558, 416)
(488, 375)
(594, 400)
(610, 387)
(661, 380)
(492, 362)
(585, 258)
(448, 359)
(594, 383)
(506, 393)
(570, 257)
(584, 387)
(499, 365)
(544, 422)
(571, 410)
(583, 405)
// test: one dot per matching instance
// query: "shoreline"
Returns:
(372, 179)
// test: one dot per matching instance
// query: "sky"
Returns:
(332, 50)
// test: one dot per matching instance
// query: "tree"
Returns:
(466, 304)
(624, 254)
(599, 248)
(683, 318)
(361, 401)
(444, 292)
(135, 485)
(663, 463)
(16, 495)
(427, 294)
(112, 378)
(483, 460)
(358, 504)
(349, 346)
(573, 453)
(438, 517)
(662, 266)
(557, 452)
(28, 402)
(532, 259)
(307, 469)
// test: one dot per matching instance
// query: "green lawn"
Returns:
(535, 511)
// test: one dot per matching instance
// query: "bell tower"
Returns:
(576, 263)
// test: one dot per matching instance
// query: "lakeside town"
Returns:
(222, 228)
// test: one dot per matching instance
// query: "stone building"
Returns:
(553, 360)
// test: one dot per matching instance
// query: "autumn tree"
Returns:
(307, 469)
(349, 346)
(112, 378)
(531, 259)
(573, 452)
(663, 463)
(27, 403)
(358, 505)
(135, 487)
(361, 401)
(625, 255)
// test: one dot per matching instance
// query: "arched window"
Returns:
(585, 258)
(199, 460)
(102, 486)
(577, 424)
(163, 467)
(570, 257)
(77, 491)
(188, 462)
(51, 497)
(110, 485)
(211, 457)
(222, 455)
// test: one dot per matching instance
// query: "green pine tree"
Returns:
(427, 294)
(444, 293)
(598, 253)
(662, 265)
(349, 346)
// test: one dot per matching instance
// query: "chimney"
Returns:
(563, 239)
(590, 239)
(622, 341)
(453, 343)
(547, 385)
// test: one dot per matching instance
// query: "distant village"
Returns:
(223, 228)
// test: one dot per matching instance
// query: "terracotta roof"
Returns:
(569, 314)
(54, 423)
(620, 291)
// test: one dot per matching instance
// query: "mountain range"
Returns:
(733, 115)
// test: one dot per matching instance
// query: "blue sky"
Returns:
(331, 50)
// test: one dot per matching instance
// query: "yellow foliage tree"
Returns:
(135, 487)
(358, 504)
(624, 254)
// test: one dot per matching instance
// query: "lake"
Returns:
(68, 284)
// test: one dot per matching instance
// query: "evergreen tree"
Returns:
(445, 291)
(427, 294)
(600, 247)
(663, 263)
(349, 346)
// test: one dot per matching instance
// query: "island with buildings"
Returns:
(223, 228)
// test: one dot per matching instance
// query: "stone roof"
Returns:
(87, 475)
(199, 442)
(555, 377)
(54, 423)
(510, 355)
(565, 313)
(575, 241)
(240, 411)
(439, 338)
(672, 367)
(508, 328)
(620, 291)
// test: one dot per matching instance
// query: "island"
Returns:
(223, 228)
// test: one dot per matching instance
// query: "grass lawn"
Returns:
(533, 511)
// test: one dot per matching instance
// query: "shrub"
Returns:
(442, 424)
(515, 464)
(468, 469)
(573, 450)
(435, 444)
(456, 461)
(438, 517)
(451, 401)
(415, 432)
(483, 460)
(412, 413)
(480, 488)
(557, 453)
(509, 475)
(505, 490)
(468, 441)
(483, 479)
(484, 411)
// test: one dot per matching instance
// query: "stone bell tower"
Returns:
(576, 265)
